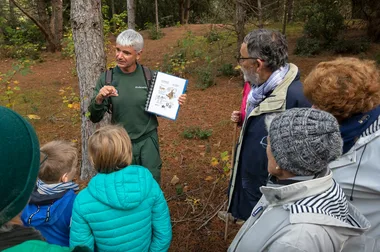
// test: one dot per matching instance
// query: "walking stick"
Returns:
(232, 164)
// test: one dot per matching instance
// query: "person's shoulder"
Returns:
(34, 246)
(303, 237)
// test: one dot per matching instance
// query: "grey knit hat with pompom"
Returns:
(305, 140)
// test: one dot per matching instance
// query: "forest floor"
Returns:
(195, 224)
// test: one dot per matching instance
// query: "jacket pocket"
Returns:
(272, 105)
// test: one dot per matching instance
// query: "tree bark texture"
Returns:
(87, 26)
(240, 15)
(284, 17)
(56, 22)
(157, 24)
(12, 17)
(131, 14)
(260, 14)
(181, 10)
(43, 23)
(290, 10)
(186, 14)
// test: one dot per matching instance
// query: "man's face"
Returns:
(126, 56)
(249, 66)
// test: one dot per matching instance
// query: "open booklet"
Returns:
(164, 93)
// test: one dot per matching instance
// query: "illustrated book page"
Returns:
(164, 93)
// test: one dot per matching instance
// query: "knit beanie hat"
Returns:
(19, 163)
(304, 140)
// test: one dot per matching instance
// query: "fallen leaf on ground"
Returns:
(33, 117)
(174, 180)
(209, 178)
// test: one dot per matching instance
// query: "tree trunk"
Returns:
(112, 14)
(284, 17)
(186, 14)
(87, 25)
(157, 24)
(374, 22)
(57, 22)
(260, 14)
(290, 11)
(239, 24)
(357, 9)
(131, 14)
(42, 23)
(12, 19)
(181, 11)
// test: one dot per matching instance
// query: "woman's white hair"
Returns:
(131, 38)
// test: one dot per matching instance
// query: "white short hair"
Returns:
(131, 38)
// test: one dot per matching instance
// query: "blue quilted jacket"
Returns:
(122, 211)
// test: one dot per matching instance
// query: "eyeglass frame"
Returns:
(238, 58)
(264, 145)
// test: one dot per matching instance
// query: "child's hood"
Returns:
(124, 189)
(48, 209)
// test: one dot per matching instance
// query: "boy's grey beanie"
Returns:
(304, 140)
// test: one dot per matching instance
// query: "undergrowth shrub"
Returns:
(351, 46)
(306, 46)
(153, 32)
(196, 133)
(228, 70)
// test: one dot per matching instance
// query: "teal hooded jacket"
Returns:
(122, 211)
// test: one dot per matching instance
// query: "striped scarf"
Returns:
(259, 93)
(49, 189)
(332, 203)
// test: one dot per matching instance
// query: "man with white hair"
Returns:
(128, 93)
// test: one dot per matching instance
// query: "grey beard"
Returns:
(251, 78)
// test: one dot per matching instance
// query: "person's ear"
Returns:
(260, 65)
(65, 178)
(139, 54)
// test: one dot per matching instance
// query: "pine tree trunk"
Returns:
(260, 14)
(113, 13)
(12, 18)
(284, 17)
(131, 14)
(57, 22)
(186, 12)
(239, 24)
(42, 22)
(157, 24)
(290, 11)
(181, 10)
(87, 25)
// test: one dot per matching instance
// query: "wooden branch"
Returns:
(207, 221)
(42, 28)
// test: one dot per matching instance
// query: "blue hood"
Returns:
(124, 189)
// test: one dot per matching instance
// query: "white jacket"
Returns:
(312, 216)
(358, 173)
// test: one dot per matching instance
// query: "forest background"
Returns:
(52, 52)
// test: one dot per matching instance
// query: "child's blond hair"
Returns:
(110, 149)
(57, 158)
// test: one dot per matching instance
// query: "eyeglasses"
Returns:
(241, 59)
(264, 142)
(44, 159)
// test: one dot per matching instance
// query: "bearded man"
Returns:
(275, 87)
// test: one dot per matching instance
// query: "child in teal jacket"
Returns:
(123, 207)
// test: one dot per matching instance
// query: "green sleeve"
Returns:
(97, 110)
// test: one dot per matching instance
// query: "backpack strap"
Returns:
(109, 76)
(109, 73)
(147, 76)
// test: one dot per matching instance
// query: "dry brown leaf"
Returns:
(174, 180)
